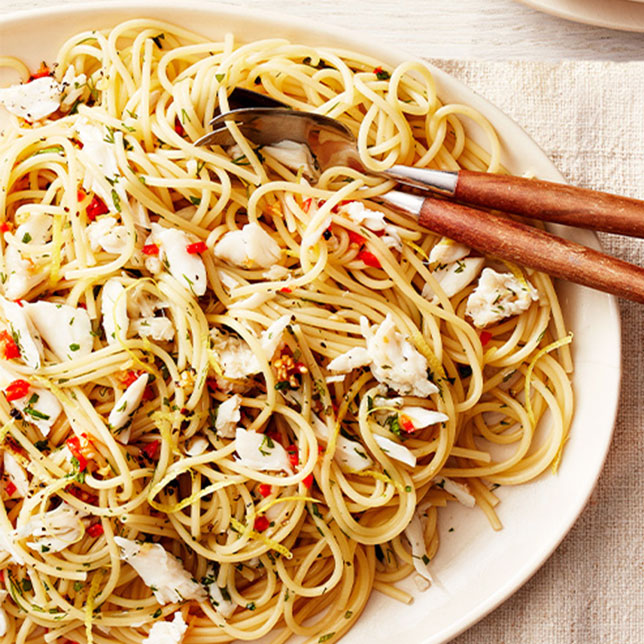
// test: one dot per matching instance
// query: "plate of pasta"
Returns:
(625, 15)
(242, 400)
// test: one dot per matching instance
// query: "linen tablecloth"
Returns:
(589, 119)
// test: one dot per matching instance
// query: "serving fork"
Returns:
(454, 207)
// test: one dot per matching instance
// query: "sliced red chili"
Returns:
(77, 450)
(43, 71)
(293, 456)
(197, 248)
(129, 378)
(178, 128)
(81, 195)
(151, 449)
(10, 488)
(369, 258)
(307, 481)
(286, 289)
(306, 204)
(96, 207)
(406, 423)
(485, 337)
(261, 523)
(355, 238)
(150, 249)
(17, 389)
(95, 530)
(5, 227)
(10, 349)
(265, 489)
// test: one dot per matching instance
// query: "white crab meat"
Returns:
(187, 268)
(293, 155)
(100, 152)
(24, 333)
(373, 220)
(126, 406)
(228, 415)
(72, 87)
(348, 453)
(107, 234)
(66, 330)
(163, 632)
(276, 272)
(259, 452)
(393, 360)
(415, 536)
(22, 274)
(55, 530)
(36, 229)
(250, 247)
(499, 296)
(454, 277)
(169, 580)
(197, 445)
(16, 474)
(458, 490)
(157, 328)
(33, 100)
(395, 450)
(272, 336)
(114, 311)
(447, 251)
(4, 623)
(235, 357)
(421, 417)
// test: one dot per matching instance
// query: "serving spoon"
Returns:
(333, 144)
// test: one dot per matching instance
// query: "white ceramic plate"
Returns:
(627, 15)
(476, 567)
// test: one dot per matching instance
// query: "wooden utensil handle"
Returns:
(552, 202)
(497, 235)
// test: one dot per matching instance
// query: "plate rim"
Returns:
(609, 15)
(106, 10)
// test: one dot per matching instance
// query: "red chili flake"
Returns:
(406, 423)
(485, 337)
(19, 303)
(197, 248)
(2, 576)
(96, 207)
(78, 451)
(82, 305)
(381, 74)
(17, 389)
(211, 383)
(42, 72)
(293, 456)
(355, 238)
(150, 249)
(151, 449)
(95, 530)
(307, 481)
(148, 394)
(261, 523)
(178, 128)
(81, 195)
(5, 227)
(79, 493)
(129, 378)
(265, 490)
(10, 488)
(10, 349)
(306, 204)
(320, 449)
(274, 435)
(286, 289)
(369, 258)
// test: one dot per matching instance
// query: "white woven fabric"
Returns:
(589, 118)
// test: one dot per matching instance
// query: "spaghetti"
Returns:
(235, 396)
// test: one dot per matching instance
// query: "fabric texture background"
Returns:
(589, 119)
